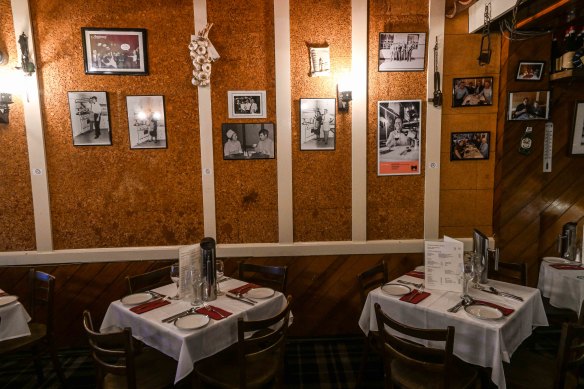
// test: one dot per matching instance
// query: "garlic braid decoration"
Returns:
(202, 54)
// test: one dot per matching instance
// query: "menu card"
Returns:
(443, 260)
(189, 262)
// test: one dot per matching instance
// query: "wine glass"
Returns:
(175, 276)
(220, 269)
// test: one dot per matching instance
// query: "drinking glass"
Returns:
(477, 268)
(219, 267)
(467, 273)
(175, 277)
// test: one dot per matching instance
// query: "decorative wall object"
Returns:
(577, 138)
(248, 140)
(202, 53)
(469, 145)
(90, 119)
(146, 122)
(320, 61)
(115, 51)
(529, 105)
(471, 92)
(317, 124)
(246, 104)
(530, 71)
(398, 136)
(402, 51)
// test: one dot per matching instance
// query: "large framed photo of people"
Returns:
(577, 138)
(90, 118)
(248, 140)
(465, 146)
(398, 137)
(317, 124)
(402, 51)
(533, 105)
(472, 91)
(246, 104)
(146, 122)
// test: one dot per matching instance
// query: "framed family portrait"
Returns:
(533, 105)
(115, 51)
(577, 136)
(317, 124)
(472, 91)
(465, 146)
(530, 71)
(146, 122)
(90, 118)
(402, 51)
(246, 104)
(248, 140)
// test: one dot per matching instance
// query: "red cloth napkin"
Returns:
(561, 266)
(414, 297)
(150, 305)
(506, 311)
(417, 274)
(213, 313)
(243, 289)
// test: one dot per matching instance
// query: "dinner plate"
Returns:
(483, 312)
(554, 260)
(420, 268)
(192, 322)
(396, 289)
(137, 298)
(5, 300)
(260, 293)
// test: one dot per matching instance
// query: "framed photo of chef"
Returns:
(146, 122)
(402, 51)
(90, 119)
(472, 91)
(465, 146)
(246, 104)
(533, 105)
(317, 124)
(248, 140)
(398, 137)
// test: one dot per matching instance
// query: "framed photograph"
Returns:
(90, 118)
(466, 146)
(248, 140)
(320, 62)
(402, 51)
(529, 105)
(317, 124)
(246, 104)
(146, 122)
(398, 137)
(577, 138)
(472, 92)
(115, 51)
(530, 71)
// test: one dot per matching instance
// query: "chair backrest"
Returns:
(147, 281)
(421, 358)
(42, 291)
(265, 346)
(570, 357)
(371, 279)
(275, 277)
(513, 272)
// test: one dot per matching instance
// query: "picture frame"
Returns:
(246, 104)
(399, 137)
(248, 141)
(472, 91)
(531, 105)
(318, 124)
(115, 51)
(530, 70)
(320, 61)
(402, 51)
(577, 135)
(146, 122)
(470, 146)
(90, 118)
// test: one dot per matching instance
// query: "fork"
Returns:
(210, 308)
(418, 286)
(419, 290)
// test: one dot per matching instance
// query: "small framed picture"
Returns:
(317, 124)
(466, 146)
(146, 122)
(90, 119)
(248, 140)
(320, 62)
(529, 105)
(246, 104)
(530, 71)
(577, 138)
(472, 92)
(115, 51)
(402, 51)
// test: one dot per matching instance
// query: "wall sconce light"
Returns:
(344, 94)
(3, 58)
(5, 99)
(27, 66)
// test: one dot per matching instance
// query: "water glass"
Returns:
(477, 268)
(175, 276)
(220, 269)
(467, 273)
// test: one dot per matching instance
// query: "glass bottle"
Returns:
(526, 142)
(556, 56)
(570, 44)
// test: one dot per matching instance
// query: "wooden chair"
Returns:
(253, 362)
(410, 365)
(41, 325)
(513, 272)
(148, 281)
(275, 277)
(119, 366)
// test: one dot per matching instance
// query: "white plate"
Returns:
(192, 322)
(5, 300)
(420, 268)
(137, 298)
(483, 312)
(555, 260)
(396, 289)
(260, 293)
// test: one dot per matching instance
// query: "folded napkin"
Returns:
(414, 297)
(150, 305)
(213, 314)
(562, 266)
(243, 289)
(417, 274)
(506, 311)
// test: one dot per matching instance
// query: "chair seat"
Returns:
(409, 377)
(38, 332)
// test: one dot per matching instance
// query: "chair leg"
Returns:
(364, 357)
(38, 366)
(57, 364)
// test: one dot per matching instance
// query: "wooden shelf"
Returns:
(568, 75)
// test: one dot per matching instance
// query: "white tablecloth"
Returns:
(562, 287)
(14, 323)
(480, 342)
(187, 347)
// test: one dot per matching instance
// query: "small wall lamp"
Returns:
(5, 99)
(27, 66)
(344, 94)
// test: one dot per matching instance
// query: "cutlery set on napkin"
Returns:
(497, 292)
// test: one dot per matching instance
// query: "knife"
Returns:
(504, 294)
(231, 295)
(173, 317)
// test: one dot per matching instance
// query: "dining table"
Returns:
(188, 346)
(562, 282)
(13, 317)
(487, 341)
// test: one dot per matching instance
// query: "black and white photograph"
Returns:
(398, 137)
(146, 122)
(533, 105)
(472, 91)
(248, 140)
(530, 71)
(402, 51)
(577, 138)
(317, 124)
(320, 62)
(115, 51)
(246, 104)
(469, 145)
(90, 119)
